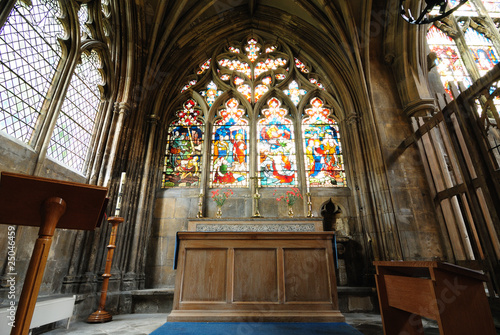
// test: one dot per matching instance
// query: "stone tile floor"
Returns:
(138, 324)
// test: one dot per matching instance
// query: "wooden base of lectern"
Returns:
(52, 210)
(99, 317)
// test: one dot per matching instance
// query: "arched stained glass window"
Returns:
(449, 62)
(183, 158)
(29, 56)
(254, 128)
(322, 149)
(276, 146)
(229, 165)
(453, 43)
(482, 50)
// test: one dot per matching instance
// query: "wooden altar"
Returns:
(255, 276)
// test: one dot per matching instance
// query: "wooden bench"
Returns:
(452, 295)
(47, 310)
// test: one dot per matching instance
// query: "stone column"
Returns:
(129, 280)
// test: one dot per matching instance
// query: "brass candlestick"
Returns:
(101, 315)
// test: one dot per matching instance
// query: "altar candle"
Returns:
(120, 195)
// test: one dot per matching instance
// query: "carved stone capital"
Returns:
(351, 119)
(122, 107)
(417, 107)
(153, 119)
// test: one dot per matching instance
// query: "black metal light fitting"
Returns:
(430, 4)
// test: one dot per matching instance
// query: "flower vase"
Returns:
(218, 214)
(290, 211)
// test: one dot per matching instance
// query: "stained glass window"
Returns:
(183, 157)
(322, 148)
(449, 63)
(482, 50)
(72, 135)
(276, 146)
(204, 67)
(229, 165)
(211, 93)
(29, 56)
(188, 85)
(255, 71)
(294, 92)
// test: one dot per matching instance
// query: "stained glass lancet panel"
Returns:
(183, 156)
(29, 55)
(449, 63)
(276, 147)
(323, 152)
(230, 165)
(482, 50)
(72, 135)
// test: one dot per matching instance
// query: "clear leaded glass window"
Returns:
(29, 56)
(72, 135)
(183, 158)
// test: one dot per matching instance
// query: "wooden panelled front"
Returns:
(268, 276)
(307, 276)
(204, 275)
(255, 275)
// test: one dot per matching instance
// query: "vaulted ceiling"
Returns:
(177, 36)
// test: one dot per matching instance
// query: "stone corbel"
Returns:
(419, 107)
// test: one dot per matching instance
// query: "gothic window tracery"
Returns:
(466, 26)
(32, 62)
(255, 128)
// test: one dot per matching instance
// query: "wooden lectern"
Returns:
(450, 294)
(45, 203)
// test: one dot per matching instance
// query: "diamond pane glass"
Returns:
(276, 147)
(322, 149)
(29, 55)
(183, 157)
(72, 135)
(83, 17)
(229, 165)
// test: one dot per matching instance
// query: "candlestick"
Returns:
(120, 195)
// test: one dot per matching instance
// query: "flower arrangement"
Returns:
(290, 196)
(221, 197)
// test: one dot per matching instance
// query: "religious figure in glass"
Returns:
(229, 165)
(184, 148)
(322, 149)
(276, 147)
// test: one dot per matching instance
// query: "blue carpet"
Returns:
(254, 328)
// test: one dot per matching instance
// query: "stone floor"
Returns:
(138, 324)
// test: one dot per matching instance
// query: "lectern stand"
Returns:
(452, 295)
(45, 203)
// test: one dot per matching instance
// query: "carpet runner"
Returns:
(260, 328)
